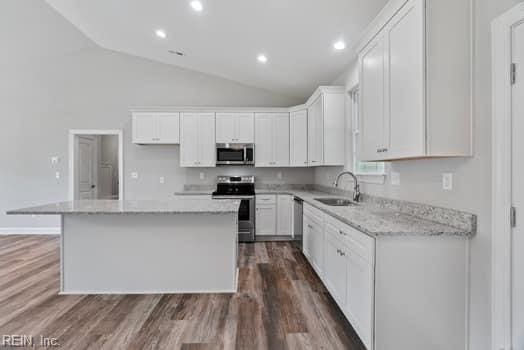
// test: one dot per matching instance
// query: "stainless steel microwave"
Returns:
(235, 154)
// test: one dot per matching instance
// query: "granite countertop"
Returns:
(382, 217)
(172, 206)
(376, 220)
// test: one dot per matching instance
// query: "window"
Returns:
(361, 168)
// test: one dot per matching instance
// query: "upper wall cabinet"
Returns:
(271, 139)
(197, 140)
(235, 127)
(156, 128)
(413, 103)
(326, 127)
(298, 141)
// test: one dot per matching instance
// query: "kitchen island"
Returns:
(135, 247)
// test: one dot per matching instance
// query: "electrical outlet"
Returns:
(395, 178)
(202, 176)
(162, 179)
(134, 175)
(279, 175)
(447, 181)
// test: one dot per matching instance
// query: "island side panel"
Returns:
(149, 253)
(421, 293)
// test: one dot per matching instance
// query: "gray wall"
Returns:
(54, 79)
(421, 180)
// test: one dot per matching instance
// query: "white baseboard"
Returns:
(29, 230)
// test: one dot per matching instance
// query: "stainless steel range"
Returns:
(243, 188)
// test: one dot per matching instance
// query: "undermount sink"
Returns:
(336, 202)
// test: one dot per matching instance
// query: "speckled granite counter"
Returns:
(182, 245)
(379, 216)
(173, 206)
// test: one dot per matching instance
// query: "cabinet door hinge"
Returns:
(513, 73)
(513, 216)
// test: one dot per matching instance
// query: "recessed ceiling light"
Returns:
(339, 45)
(197, 5)
(161, 33)
(262, 58)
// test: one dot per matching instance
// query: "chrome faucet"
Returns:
(356, 188)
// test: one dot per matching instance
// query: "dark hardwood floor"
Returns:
(281, 304)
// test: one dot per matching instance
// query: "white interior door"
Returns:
(518, 190)
(87, 155)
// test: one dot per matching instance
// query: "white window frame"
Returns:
(371, 176)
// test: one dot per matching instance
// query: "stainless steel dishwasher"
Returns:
(297, 221)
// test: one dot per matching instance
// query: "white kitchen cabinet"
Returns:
(413, 103)
(374, 136)
(271, 139)
(156, 128)
(313, 239)
(315, 132)
(335, 265)
(284, 215)
(197, 140)
(326, 123)
(359, 298)
(406, 79)
(266, 215)
(298, 139)
(235, 127)
(307, 234)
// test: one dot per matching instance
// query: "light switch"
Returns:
(395, 178)
(447, 181)
(161, 179)
(202, 176)
(134, 175)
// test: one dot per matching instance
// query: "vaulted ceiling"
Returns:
(225, 38)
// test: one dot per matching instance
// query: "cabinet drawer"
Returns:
(359, 243)
(314, 213)
(266, 199)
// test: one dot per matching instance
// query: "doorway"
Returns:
(95, 164)
(508, 180)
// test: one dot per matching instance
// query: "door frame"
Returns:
(72, 155)
(501, 281)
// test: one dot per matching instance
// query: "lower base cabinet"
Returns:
(398, 292)
(274, 215)
(343, 258)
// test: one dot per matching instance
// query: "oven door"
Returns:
(230, 155)
(246, 220)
